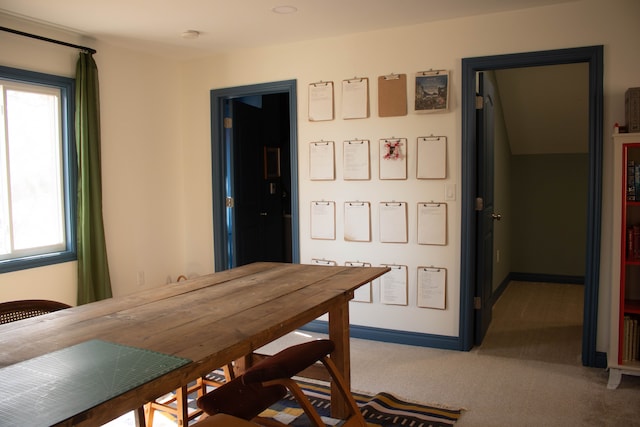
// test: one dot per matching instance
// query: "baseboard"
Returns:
(391, 336)
(546, 278)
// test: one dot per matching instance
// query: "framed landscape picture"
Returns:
(432, 91)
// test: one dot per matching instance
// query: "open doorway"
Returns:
(254, 174)
(477, 288)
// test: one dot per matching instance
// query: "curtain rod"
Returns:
(46, 39)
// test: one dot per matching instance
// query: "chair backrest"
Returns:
(17, 310)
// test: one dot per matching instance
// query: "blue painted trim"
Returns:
(69, 167)
(593, 55)
(389, 335)
(218, 156)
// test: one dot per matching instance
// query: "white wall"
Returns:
(156, 144)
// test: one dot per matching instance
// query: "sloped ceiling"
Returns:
(546, 109)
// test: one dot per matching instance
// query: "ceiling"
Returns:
(543, 105)
(156, 26)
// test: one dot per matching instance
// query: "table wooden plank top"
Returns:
(209, 320)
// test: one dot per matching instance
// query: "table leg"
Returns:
(139, 417)
(341, 356)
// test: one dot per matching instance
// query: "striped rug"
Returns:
(383, 409)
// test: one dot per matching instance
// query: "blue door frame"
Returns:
(593, 55)
(220, 168)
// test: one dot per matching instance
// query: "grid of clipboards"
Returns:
(392, 222)
(393, 285)
(431, 95)
(393, 153)
(386, 158)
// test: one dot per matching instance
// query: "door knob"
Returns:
(496, 216)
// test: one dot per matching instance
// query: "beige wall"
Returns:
(156, 141)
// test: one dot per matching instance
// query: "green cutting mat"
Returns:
(53, 387)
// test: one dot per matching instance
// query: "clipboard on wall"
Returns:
(323, 220)
(432, 287)
(432, 223)
(355, 98)
(393, 222)
(392, 95)
(432, 157)
(393, 285)
(363, 293)
(393, 158)
(357, 221)
(324, 262)
(356, 160)
(321, 101)
(322, 165)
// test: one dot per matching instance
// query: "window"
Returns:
(37, 170)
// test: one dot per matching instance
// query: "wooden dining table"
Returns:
(203, 323)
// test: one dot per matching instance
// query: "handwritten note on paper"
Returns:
(393, 285)
(431, 287)
(357, 221)
(321, 161)
(432, 223)
(323, 220)
(356, 160)
(321, 101)
(355, 98)
(393, 222)
(432, 158)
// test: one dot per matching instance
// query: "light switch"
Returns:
(449, 191)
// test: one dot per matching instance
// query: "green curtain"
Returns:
(94, 283)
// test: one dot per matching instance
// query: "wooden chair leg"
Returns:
(301, 398)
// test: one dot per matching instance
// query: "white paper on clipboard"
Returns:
(432, 223)
(323, 220)
(393, 222)
(363, 293)
(393, 285)
(321, 101)
(356, 160)
(432, 157)
(322, 161)
(432, 285)
(357, 221)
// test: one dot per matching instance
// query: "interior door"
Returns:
(484, 207)
(257, 188)
(245, 186)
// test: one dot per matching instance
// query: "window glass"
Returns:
(36, 180)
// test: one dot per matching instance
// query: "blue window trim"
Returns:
(69, 169)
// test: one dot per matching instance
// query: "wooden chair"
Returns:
(266, 383)
(178, 404)
(12, 311)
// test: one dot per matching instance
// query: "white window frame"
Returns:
(40, 82)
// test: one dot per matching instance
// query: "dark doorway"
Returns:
(472, 253)
(254, 174)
